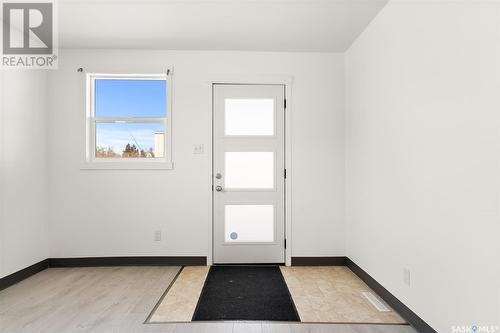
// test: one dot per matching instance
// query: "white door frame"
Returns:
(287, 81)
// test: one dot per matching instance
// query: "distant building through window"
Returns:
(159, 144)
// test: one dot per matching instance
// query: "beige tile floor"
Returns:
(321, 295)
(180, 301)
(334, 295)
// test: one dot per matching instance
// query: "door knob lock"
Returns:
(218, 188)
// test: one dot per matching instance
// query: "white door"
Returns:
(248, 173)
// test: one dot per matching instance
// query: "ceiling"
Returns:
(250, 25)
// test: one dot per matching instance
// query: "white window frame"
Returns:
(92, 162)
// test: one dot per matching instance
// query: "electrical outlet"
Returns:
(406, 276)
(157, 235)
(198, 148)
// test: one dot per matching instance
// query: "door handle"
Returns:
(218, 188)
(218, 176)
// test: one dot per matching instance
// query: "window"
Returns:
(128, 121)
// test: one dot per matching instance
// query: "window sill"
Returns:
(131, 165)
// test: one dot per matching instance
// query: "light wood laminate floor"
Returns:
(119, 299)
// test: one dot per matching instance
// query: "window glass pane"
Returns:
(249, 223)
(130, 140)
(249, 170)
(249, 116)
(130, 98)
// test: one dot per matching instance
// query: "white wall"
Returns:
(2, 106)
(422, 142)
(114, 213)
(24, 174)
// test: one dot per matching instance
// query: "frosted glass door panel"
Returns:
(249, 117)
(249, 170)
(249, 223)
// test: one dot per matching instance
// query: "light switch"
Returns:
(198, 148)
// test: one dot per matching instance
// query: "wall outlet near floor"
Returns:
(157, 235)
(406, 276)
(198, 148)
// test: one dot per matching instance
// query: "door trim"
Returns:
(287, 81)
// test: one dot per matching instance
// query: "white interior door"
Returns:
(248, 173)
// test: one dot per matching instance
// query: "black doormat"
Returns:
(245, 293)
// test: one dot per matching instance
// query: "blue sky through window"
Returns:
(130, 98)
(118, 135)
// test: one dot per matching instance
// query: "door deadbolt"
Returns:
(218, 188)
